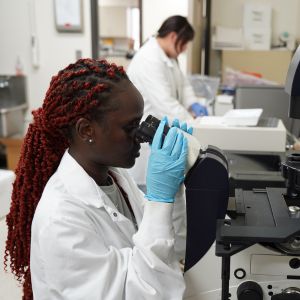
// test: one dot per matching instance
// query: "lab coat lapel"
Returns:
(169, 71)
(178, 80)
(133, 193)
(125, 226)
(81, 186)
(174, 76)
(77, 182)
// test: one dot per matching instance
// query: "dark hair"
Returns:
(181, 26)
(77, 91)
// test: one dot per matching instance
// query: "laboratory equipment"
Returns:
(206, 188)
(147, 129)
(272, 99)
(269, 217)
(259, 245)
(266, 137)
(254, 153)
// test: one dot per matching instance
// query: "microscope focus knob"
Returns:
(291, 293)
(249, 290)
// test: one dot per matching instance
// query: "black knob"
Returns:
(294, 263)
(249, 290)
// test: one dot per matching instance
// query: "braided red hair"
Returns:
(75, 92)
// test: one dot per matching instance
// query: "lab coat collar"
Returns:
(169, 62)
(82, 187)
(78, 183)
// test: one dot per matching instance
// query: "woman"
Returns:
(154, 70)
(78, 226)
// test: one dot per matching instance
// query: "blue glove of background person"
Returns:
(166, 164)
(198, 110)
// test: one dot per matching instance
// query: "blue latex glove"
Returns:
(166, 164)
(183, 126)
(198, 110)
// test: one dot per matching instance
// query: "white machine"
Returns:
(268, 136)
(257, 251)
(257, 272)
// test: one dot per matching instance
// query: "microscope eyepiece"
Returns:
(147, 129)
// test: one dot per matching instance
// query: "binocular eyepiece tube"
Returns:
(147, 129)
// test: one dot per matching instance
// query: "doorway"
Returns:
(116, 30)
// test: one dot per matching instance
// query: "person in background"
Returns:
(155, 72)
(78, 226)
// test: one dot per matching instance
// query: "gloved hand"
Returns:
(183, 126)
(198, 110)
(166, 164)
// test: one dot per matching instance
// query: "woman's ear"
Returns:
(84, 130)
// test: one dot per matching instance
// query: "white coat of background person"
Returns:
(154, 70)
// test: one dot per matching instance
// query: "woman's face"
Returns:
(182, 47)
(176, 49)
(114, 142)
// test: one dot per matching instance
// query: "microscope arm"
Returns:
(292, 86)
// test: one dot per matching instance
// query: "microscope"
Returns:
(206, 188)
(257, 247)
(247, 248)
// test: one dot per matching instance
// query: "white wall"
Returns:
(285, 15)
(56, 49)
(156, 11)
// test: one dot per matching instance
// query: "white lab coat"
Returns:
(166, 92)
(83, 248)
